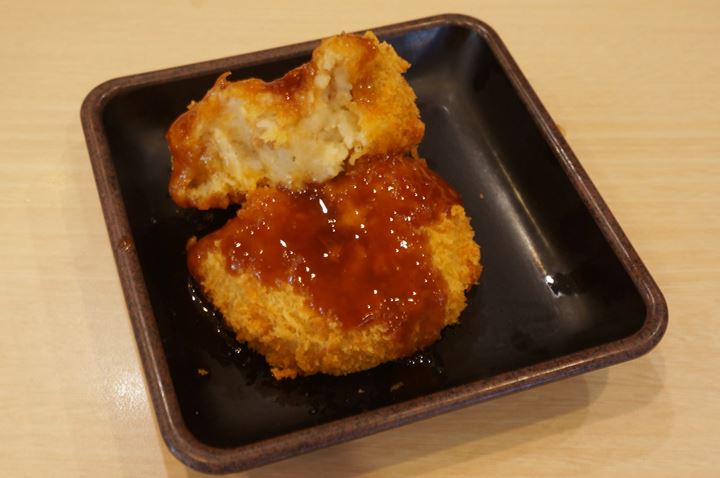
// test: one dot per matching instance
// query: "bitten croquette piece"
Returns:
(349, 100)
(293, 272)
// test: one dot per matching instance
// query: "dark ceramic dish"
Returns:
(563, 292)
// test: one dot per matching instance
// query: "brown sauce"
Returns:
(353, 246)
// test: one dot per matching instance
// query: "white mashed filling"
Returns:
(312, 150)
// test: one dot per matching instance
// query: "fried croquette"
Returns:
(344, 275)
(349, 100)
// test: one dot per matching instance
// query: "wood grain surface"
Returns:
(634, 85)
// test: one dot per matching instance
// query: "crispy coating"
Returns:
(295, 339)
(349, 100)
(348, 251)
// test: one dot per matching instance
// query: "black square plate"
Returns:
(562, 292)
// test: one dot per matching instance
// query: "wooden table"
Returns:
(634, 85)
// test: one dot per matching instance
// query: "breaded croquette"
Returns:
(345, 275)
(349, 100)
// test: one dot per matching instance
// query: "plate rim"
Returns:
(208, 459)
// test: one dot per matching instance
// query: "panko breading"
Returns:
(294, 272)
(350, 100)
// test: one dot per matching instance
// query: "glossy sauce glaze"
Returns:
(354, 246)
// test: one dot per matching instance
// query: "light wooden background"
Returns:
(635, 86)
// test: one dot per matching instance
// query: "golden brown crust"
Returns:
(261, 143)
(349, 100)
(295, 339)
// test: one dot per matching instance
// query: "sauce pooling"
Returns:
(354, 246)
